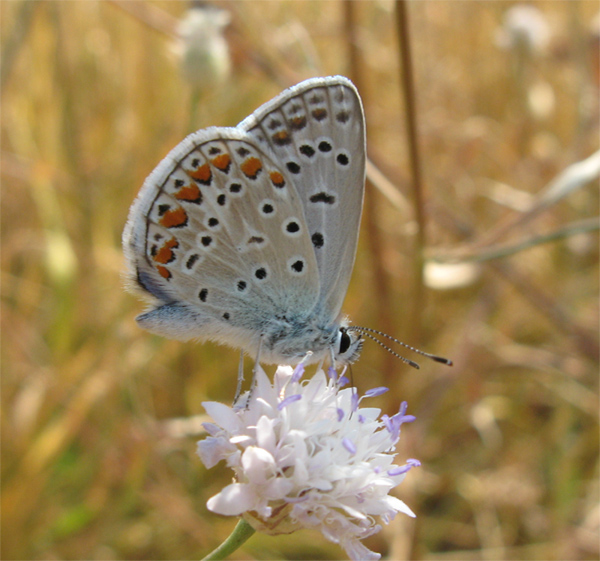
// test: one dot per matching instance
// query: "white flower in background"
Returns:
(525, 26)
(307, 454)
(204, 53)
(449, 276)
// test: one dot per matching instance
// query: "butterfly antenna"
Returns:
(367, 331)
(391, 351)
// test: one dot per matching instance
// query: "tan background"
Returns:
(93, 98)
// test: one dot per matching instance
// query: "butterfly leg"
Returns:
(254, 373)
(257, 361)
(240, 379)
(332, 358)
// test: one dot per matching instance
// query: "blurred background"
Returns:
(479, 242)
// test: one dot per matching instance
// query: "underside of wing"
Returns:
(218, 233)
(317, 132)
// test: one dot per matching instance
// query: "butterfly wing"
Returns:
(317, 131)
(217, 236)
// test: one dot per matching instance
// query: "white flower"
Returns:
(306, 454)
(525, 26)
(203, 49)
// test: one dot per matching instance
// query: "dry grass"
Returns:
(92, 99)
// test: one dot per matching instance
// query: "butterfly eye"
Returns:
(344, 341)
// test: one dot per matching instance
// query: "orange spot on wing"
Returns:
(251, 167)
(277, 179)
(298, 122)
(201, 174)
(174, 218)
(166, 254)
(222, 162)
(163, 272)
(281, 138)
(190, 193)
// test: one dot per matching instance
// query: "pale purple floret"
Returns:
(343, 381)
(376, 391)
(349, 445)
(298, 372)
(354, 402)
(394, 422)
(289, 399)
(399, 470)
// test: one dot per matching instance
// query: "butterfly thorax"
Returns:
(289, 339)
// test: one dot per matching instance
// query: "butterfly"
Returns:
(247, 235)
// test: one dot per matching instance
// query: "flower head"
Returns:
(307, 454)
(525, 27)
(205, 61)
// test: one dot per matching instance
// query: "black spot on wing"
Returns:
(322, 197)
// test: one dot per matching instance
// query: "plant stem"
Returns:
(240, 534)
(407, 84)
(502, 251)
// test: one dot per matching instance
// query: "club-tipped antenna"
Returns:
(391, 351)
(368, 332)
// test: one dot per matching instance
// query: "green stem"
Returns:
(240, 534)
(194, 104)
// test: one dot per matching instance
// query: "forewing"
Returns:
(218, 230)
(317, 131)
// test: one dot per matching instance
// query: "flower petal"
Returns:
(233, 500)
(258, 464)
(223, 416)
